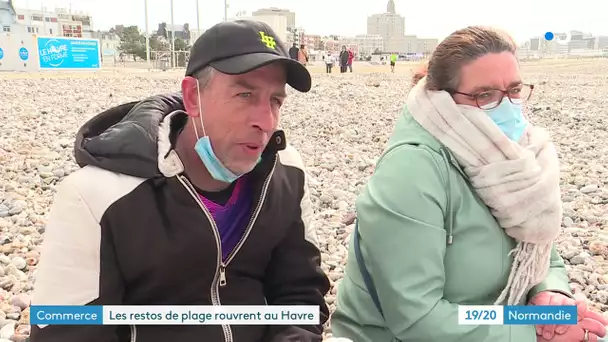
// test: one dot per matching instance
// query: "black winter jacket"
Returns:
(293, 52)
(344, 57)
(129, 229)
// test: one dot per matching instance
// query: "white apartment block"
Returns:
(386, 25)
(367, 43)
(277, 23)
(48, 23)
(295, 35)
(273, 11)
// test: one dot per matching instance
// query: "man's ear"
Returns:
(191, 95)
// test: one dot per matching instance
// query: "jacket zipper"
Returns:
(215, 296)
(221, 266)
(252, 220)
(133, 333)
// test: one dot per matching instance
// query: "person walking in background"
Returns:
(329, 62)
(351, 57)
(294, 51)
(303, 54)
(393, 62)
(343, 59)
(463, 208)
(191, 198)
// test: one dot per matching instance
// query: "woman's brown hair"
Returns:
(458, 49)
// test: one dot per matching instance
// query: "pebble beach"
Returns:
(340, 128)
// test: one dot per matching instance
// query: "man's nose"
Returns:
(265, 118)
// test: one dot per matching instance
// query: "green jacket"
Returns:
(420, 276)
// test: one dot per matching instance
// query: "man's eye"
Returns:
(244, 95)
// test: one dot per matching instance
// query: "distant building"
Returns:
(388, 25)
(557, 47)
(290, 16)
(181, 31)
(411, 44)
(426, 45)
(85, 21)
(589, 43)
(44, 22)
(390, 7)
(110, 42)
(367, 44)
(278, 23)
(602, 42)
(535, 44)
(7, 16)
(335, 46)
(295, 35)
(570, 43)
(313, 41)
(391, 27)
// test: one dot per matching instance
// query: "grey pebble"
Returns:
(21, 301)
(15, 210)
(13, 315)
(19, 263)
(578, 259)
(8, 330)
(601, 296)
(589, 189)
(5, 322)
(58, 173)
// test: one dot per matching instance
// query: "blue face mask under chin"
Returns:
(509, 118)
(215, 167)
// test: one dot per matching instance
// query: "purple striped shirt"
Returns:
(232, 218)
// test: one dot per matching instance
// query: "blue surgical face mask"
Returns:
(205, 152)
(215, 167)
(509, 118)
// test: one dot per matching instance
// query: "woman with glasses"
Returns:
(462, 209)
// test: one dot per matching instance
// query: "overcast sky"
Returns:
(426, 19)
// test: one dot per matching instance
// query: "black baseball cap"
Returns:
(238, 47)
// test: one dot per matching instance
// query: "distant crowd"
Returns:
(344, 58)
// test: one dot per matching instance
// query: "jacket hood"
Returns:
(408, 131)
(124, 139)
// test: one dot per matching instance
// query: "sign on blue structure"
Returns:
(24, 54)
(68, 53)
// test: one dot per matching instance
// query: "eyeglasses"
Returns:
(491, 98)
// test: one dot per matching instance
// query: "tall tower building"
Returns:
(390, 7)
(387, 25)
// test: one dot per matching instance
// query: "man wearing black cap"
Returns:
(192, 198)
